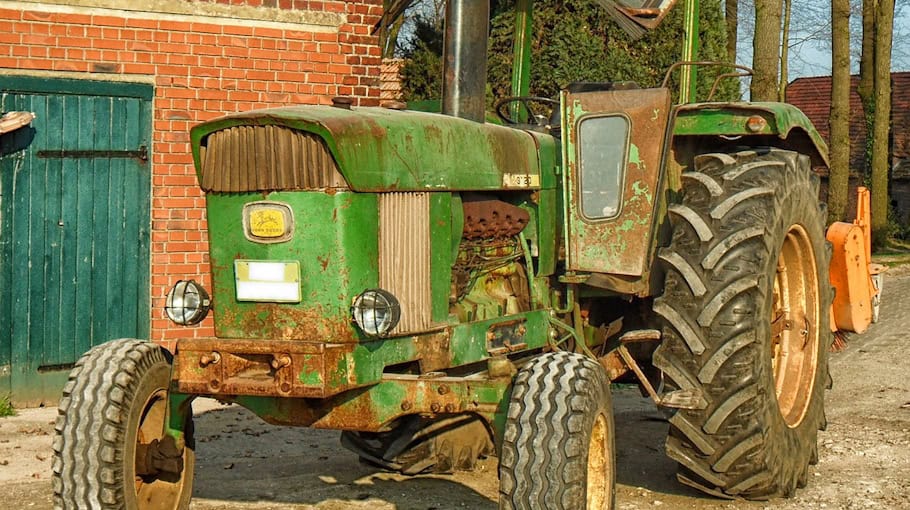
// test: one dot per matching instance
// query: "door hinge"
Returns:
(141, 154)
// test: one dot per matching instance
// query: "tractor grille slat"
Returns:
(267, 158)
(404, 256)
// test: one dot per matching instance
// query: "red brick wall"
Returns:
(201, 70)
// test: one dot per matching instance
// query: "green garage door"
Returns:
(74, 227)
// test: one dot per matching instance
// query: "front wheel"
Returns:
(558, 444)
(745, 308)
(110, 449)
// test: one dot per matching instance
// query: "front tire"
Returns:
(745, 310)
(113, 410)
(558, 444)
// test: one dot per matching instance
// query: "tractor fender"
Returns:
(752, 124)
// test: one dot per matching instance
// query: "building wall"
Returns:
(390, 79)
(205, 59)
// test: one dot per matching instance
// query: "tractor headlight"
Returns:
(376, 312)
(187, 303)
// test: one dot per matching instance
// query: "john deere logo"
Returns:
(267, 222)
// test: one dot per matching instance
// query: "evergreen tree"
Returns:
(421, 74)
(576, 40)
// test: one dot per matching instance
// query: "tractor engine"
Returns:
(489, 277)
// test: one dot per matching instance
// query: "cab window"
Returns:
(603, 146)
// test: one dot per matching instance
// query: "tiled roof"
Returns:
(813, 96)
(390, 78)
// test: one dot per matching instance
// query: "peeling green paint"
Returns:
(634, 158)
(310, 377)
(619, 244)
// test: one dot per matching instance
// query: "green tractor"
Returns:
(439, 288)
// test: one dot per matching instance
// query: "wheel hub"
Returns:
(794, 332)
(159, 463)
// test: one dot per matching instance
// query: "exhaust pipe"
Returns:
(464, 82)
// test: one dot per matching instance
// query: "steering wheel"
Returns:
(503, 109)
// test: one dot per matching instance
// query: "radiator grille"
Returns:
(267, 158)
(404, 256)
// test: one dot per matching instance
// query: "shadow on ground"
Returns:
(241, 459)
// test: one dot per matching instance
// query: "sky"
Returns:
(812, 57)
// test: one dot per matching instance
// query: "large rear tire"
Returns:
(111, 422)
(745, 310)
(558, 444)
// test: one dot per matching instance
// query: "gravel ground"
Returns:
(245, 464)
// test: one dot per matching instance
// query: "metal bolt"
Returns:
(285, 387)
(214, 383)
(434, 407)
(450, 408)
(209, 359)
(279, 362)
(405, 406)
(443, 390)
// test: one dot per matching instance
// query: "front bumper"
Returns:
(258, 367)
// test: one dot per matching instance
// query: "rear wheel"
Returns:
(557, 450)
(110, 450)
(745, 309)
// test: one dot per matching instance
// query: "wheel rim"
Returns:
(599, 468)
(794, 326)
(153, 492)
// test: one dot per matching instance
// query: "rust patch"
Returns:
(434, 352)
(281, 322)
(505, 337)
(614, 365)
(486, 218)
(370, 409)
(259, 368)
(619, 245)
(512, 151)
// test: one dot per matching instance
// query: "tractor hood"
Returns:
(378, 149)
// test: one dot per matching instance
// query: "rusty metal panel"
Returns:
(260, 367)
(619, 242)
(395, 396)
(267, 158)
(404, 256)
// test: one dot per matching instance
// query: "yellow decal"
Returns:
(520, 181)
(267, 223)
